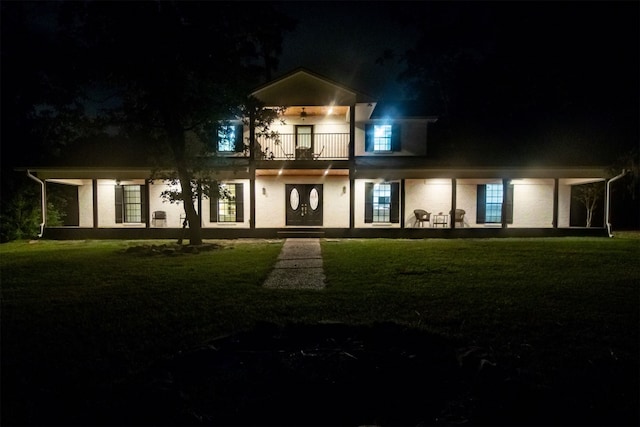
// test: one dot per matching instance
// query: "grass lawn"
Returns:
(79, 318)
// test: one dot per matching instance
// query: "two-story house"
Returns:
(342, 165)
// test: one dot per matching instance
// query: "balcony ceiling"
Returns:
(315, 111)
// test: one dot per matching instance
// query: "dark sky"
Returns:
(343, 39)
(583, 53)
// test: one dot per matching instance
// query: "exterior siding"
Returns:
(533, 203)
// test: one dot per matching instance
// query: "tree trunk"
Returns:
(195, 227)
(177, 142)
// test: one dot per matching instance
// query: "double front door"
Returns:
(304, 204)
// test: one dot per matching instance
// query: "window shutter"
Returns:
(144, 197)
(396, 138)
(239, 203)
(213, 202)
(239, 143)
(119, 198)
(481, 204)
(368, 137)
(214, 145)
(394, 214)
(368, 202)
(509, 204)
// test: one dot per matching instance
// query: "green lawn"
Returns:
(78, 317)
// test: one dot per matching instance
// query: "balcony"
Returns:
(317, 146)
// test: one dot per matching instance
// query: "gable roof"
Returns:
(304, 87)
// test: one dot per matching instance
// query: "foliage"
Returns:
(589, 195)
(162, 87)
(21, 213)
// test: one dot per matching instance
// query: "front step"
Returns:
(285, 234)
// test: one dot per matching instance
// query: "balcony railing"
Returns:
(317, 146)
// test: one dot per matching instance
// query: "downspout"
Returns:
(44, 202)
(608, 196)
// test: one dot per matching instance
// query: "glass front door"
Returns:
(304, 204)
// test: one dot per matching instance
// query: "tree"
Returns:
(170, 71)
(589, 195)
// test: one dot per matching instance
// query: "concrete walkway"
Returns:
(299, 266)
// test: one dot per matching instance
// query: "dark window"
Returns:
(382, 202)
(128, 204)
(229, 206)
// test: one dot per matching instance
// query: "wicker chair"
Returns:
(421, 216)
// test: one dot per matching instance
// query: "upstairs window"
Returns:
(228, 138)
(382, 138)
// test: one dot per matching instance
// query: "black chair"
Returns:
(458, 216)
(159, 216)
(422, 216)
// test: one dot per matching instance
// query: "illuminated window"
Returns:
(489, 208)
(227, 138)
(382, 202)
(229, 205)
(382, 138)
(493, 203)
(128, 203)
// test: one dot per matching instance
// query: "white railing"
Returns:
(324, 146)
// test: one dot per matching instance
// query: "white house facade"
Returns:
(341, 166)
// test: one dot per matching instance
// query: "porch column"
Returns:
(505, 188)
(199, 202)
(555, 202)
(252, 171)
(94, 183)
(454, 206)
(352, 165)
(402, 205)
(147, 204)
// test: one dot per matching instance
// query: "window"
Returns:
(229, 206)
(226, 138)
(229, 138)
(493, 203)
(382, 202)
(128, 204)
(382, 138)
(489, 204)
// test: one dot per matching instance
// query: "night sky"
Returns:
(543, 71)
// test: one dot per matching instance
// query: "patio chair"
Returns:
(316, 155)
(421, 216)
(459, 216)
(159, 216)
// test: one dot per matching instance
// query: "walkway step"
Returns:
(299, 266)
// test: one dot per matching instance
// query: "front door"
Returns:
(304, 204)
